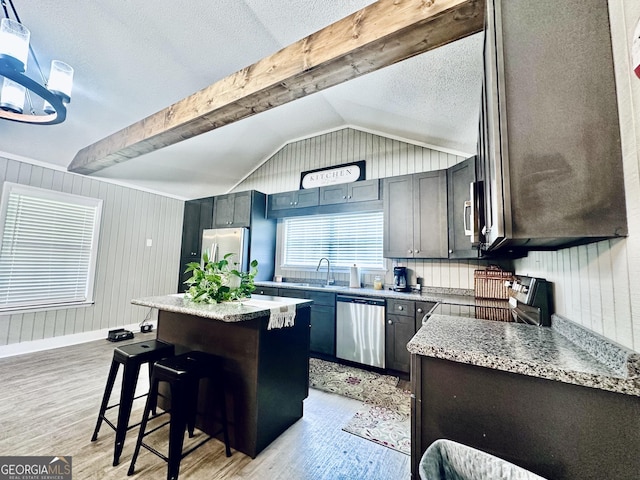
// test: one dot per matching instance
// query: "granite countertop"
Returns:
(566, 352)
(428, 294)
(238, 311)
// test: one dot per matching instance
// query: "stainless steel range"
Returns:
(530, 302)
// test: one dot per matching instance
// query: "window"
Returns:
(344, 239)
(49, 247)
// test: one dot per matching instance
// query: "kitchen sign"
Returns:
(346, 173)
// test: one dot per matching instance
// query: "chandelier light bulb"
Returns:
(12, 96)
(60, 83)
(14, 42)
(60, 79)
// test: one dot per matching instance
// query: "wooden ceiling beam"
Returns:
(379, 35)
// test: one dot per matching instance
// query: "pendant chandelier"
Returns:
(23, 99)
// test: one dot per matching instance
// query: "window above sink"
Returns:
(345, 239)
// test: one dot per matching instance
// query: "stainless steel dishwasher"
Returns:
(360, 330)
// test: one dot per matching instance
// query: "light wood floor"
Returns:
(49, 402)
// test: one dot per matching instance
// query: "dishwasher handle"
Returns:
(362, 300)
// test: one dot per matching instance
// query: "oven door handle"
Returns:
(522, 316)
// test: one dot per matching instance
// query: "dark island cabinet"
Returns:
(404, 318)
(232, 210)
(362, 191)
(554, 429)
(415, 215)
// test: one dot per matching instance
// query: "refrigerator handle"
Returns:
(214, 252)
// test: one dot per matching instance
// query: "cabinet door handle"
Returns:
(419, 310)
(349, 196)
(390, 322)
(344, 197)
(467, 229)
(409, 251)
(417, 251)
(400, 307)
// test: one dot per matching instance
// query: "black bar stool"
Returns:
(183, 374)
(132, 357)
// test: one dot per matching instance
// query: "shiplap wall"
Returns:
(384, 157)
(126, 267)
(598, 285)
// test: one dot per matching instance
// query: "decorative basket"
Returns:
(490, 283)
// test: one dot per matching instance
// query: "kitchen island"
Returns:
(560, 401)
(266, 370)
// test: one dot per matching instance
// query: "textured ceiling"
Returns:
(133, 58)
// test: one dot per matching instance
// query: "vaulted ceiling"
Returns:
(133, 58)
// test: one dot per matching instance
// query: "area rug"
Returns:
(385, 416)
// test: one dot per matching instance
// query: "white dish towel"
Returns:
(281, 315)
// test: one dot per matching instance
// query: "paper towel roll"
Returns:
(354, 278)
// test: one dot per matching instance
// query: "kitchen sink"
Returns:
(313, 285)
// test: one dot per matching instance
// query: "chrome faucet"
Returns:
(329, 281)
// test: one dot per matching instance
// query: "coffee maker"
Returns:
(400, 283)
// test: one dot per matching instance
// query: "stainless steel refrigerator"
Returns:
(221, 241)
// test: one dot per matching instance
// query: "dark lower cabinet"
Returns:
(557, 430)
(323, 329)
(323, 319)
(267, 291)
(404, 319)
(400, 329)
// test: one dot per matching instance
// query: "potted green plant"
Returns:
(221, 281)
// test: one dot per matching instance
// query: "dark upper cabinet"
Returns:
(294, 199)
(415, 216)
(197, 216)
(232, 210)
(462, 209)
(549, 146)
(362, 191)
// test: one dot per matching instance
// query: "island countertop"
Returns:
(237, 311)
(550, 353)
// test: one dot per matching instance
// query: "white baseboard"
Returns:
(63, 341)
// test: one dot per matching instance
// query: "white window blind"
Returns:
(345, 239)
(49, 247)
